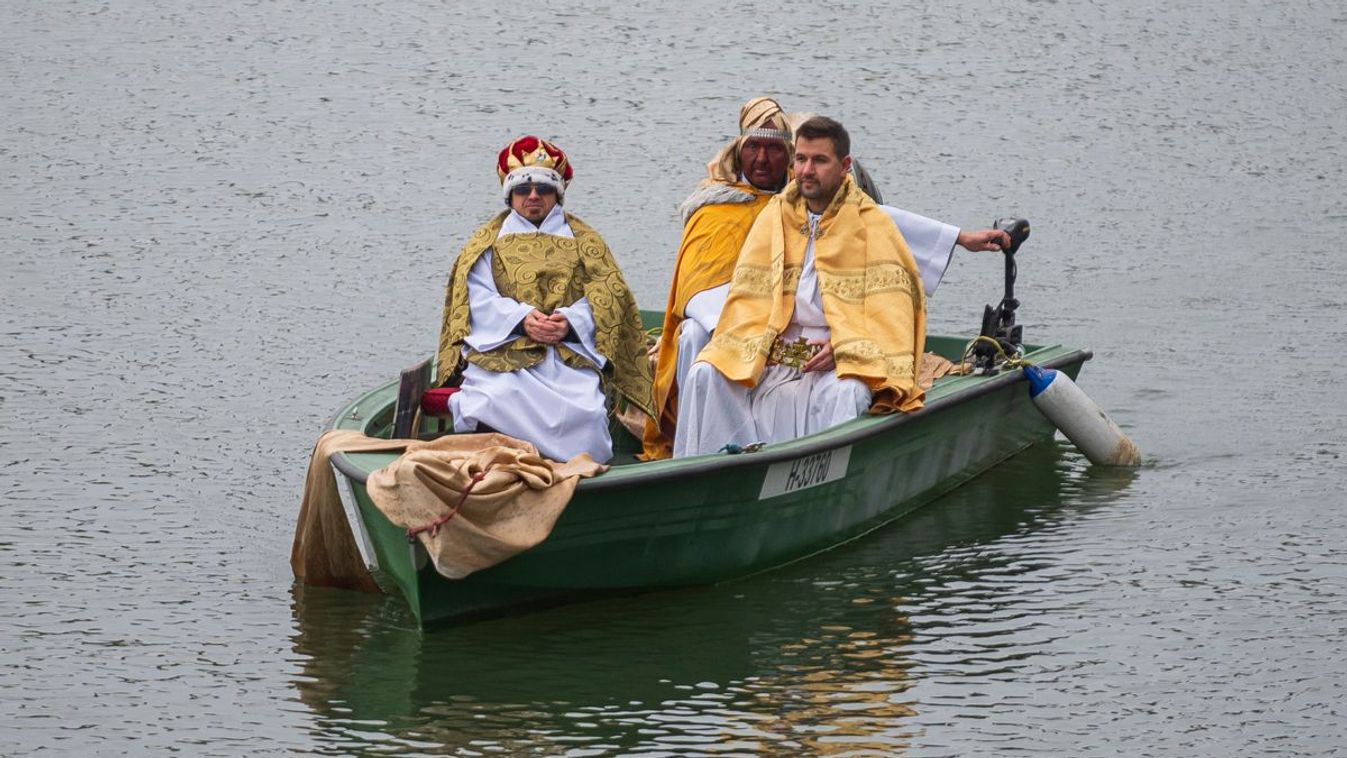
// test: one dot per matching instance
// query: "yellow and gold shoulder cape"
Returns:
(706, 256)
(870, 286)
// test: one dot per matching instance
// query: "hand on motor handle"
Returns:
(984, 239)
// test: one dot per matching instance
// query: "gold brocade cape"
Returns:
(549, 271)
(706, 257)
(869, 283)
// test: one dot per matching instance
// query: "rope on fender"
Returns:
(434, 526)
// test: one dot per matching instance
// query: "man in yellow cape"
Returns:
(742, 177)
(825, 317)
(539, 326)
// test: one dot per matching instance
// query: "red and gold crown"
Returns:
(529, 159)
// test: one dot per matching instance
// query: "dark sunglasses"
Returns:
(543, 190)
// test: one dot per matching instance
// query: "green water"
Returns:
(836, 652)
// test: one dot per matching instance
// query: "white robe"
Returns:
(786, 403)
(932, 245)
(558, 408)
(931, 242)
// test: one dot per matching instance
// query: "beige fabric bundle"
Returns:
(934, 366)
(519, 497)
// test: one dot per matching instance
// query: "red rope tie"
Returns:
(434, 526)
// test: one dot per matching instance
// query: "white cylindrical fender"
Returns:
(1080, 419)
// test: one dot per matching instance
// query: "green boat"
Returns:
(705, 519)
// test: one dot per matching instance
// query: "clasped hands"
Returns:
(546, 329)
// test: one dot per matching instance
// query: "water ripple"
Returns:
(220, 220)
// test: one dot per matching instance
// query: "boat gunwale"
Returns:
(801, 447)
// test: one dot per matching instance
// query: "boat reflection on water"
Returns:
(823, 656)
(885, 607)
(516, 682)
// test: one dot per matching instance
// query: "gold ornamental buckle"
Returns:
(794, 354)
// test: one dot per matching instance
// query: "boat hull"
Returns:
(712, 518)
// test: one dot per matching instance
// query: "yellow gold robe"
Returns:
(869, 284)
(706, 257)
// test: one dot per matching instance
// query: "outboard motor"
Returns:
(998, 323)
(1052, 392)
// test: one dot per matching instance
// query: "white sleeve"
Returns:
(705, 306)
(493, 317)
(931, 243)
(582, 324)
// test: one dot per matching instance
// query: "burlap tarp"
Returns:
(519, 497)
(933, 367)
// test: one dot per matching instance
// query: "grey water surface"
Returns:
(220, 220)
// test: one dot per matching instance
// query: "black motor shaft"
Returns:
(998, 323)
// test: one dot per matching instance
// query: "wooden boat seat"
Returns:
(412, 384)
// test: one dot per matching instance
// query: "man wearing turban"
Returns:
(539, 327)
(741, 179)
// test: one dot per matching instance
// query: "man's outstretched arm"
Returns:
(983, 240)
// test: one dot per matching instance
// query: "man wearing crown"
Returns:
(540, 328)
